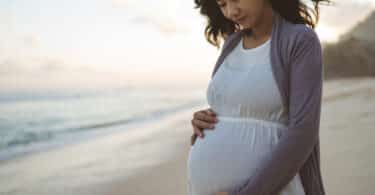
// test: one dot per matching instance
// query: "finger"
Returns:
(196, 129)
(205, 116)
(203, 124)
(212, 112)
(198, 132)
(192, 139)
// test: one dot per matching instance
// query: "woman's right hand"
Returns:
(202, 119)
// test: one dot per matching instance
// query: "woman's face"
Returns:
(244, 12)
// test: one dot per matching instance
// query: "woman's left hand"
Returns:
(221, 193)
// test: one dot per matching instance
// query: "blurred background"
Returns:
(96, 97)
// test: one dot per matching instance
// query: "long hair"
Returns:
(219, 27)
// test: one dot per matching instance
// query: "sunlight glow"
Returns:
(129, 38)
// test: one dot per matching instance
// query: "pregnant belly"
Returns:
(228, 155)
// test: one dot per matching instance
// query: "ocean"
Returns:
(32, 121)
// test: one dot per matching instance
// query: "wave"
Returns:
(27, 138)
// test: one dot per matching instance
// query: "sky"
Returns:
(110, 43)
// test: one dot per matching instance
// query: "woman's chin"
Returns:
(246, 25)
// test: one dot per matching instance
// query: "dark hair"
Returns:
(219, 27)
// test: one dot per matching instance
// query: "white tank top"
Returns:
(244, 85)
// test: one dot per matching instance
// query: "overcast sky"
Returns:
(47, 43)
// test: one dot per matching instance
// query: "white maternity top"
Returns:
(245, 97)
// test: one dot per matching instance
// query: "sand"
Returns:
(151, 159)
(347, 137)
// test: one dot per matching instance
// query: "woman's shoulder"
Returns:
(301, 33)
(300, 40)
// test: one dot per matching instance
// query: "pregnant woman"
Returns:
(261, 132)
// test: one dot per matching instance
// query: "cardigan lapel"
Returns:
(228, 46)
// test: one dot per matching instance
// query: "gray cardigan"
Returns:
(296, 58)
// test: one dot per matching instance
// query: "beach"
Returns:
(347, 132)
(104, 164)
(151, 158)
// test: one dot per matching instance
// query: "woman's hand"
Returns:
(221, 193)
(202, 119)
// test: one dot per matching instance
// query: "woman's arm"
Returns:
(297, 141)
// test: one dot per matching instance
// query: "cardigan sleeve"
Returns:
(299, 138)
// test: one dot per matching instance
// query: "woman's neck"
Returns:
(263, 29)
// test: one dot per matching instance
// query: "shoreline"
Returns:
(152, 159)
(83, 166)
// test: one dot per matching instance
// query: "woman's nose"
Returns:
(233, 14)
